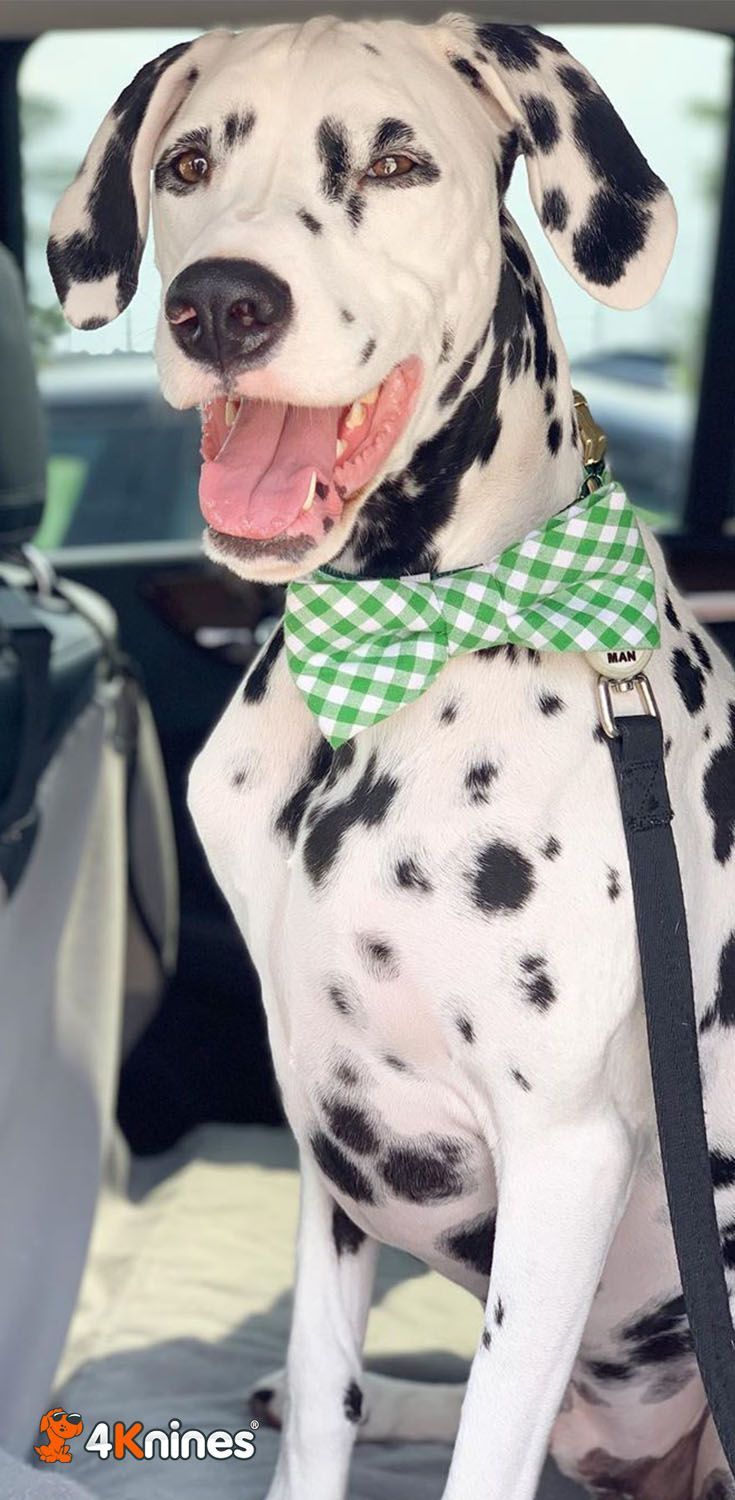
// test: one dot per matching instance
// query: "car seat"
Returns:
(78, 760)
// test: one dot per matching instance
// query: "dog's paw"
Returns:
(267, 1399)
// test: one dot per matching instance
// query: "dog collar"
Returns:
(361, 648)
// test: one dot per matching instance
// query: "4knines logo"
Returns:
(119, 1440)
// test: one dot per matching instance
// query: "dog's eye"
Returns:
(391, 166)
(191, 166)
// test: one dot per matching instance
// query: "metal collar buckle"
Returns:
(605, 689)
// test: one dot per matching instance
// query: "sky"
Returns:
(654, 76)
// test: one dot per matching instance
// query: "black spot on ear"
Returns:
(368, 351)
(346, 1235)
(353, 1402)
(346, 315)
(671, 614)
(410, 877)
(550, 704)
(379, 958)
(690, 681)
(538, 988)
(426, 1173)
(338, 1168)
(723, 1006)
(237, 127)
(700, 651)
(465, 1028)
(331, 142)
(255, 686)
(555, 210)
(514, 47)
(552, 848)
(722, 1168)
(472, 1244)
(502, 879)
(368, 804)
(112, 244)
(543, 120)
(468, 71)
(614, 231)
(290, 817)
(351, 1126)
(313, 225)
(516, 255)
(719, 793)
(479, 779)
(613, 884)
(521, 1080)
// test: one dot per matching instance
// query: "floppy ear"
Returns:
(43, 1425)
(99, 226)
(609, 218)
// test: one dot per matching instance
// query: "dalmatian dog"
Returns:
(440, 911)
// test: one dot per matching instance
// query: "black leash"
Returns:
(638, 757)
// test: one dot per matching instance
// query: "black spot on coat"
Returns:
(334, 154)
(550, 704)
(346, 1235)
(338, 1168)
(722, 1168)
(538, 987)
(671, 614)
(690, 681)
(290, 817)
(552, 848)
(422, 1173)
(368, 804)
(502, 879)
(351, 1126)
(313, 225)
(723, 1006)
(465, 1028)
(479, 779)
(255, 685)
(719, 793)
(472, 1244)
(353, 1402)
(410, 877)
(379, 958)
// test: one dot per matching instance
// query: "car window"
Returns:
(123, 466)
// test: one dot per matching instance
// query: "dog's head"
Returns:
(61, 1424)
(328, 219)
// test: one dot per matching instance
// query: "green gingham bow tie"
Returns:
(359, 648)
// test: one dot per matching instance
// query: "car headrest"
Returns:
(22, 441)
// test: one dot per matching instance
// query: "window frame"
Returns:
(700, 550)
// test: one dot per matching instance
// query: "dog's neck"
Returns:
(504, 458)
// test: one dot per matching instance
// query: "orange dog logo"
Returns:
(59, 1426)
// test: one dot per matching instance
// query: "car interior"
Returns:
(150, 1180)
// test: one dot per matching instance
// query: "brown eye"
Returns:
(192, 166)
(391, 166)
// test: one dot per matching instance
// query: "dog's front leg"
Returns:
(562, 1192)
(324, 1397)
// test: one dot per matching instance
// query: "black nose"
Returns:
(229, 314)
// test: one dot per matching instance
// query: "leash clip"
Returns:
(605, 688)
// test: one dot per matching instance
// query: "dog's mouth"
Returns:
(272, 470)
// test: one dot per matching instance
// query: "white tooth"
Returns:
(341, 445)
(309, 501)
(371, 397)
(231, 410)
(355, 415)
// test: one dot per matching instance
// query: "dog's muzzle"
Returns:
(228, 314)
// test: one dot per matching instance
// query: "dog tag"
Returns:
(619, 665)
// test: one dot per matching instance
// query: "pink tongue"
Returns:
(260, 479)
